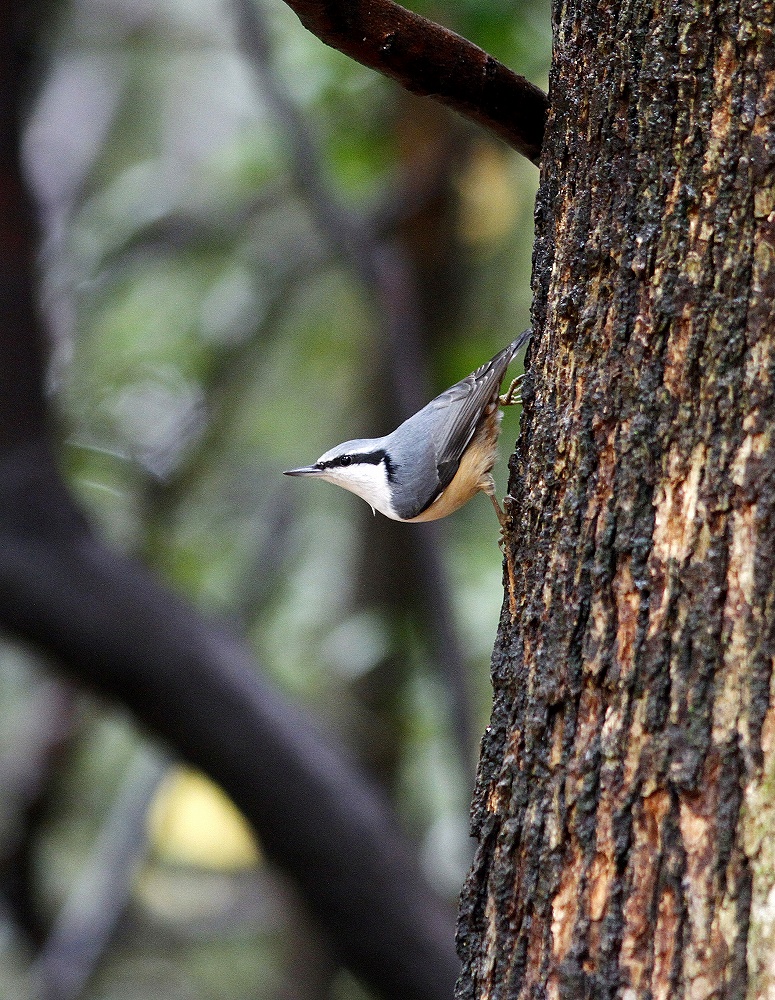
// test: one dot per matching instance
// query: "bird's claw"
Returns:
(512, 397)
(503, 516)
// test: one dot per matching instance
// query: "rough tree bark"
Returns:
(625, 800)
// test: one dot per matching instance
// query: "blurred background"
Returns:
(254, 249)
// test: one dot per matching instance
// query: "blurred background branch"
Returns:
(88, 920)
(252, 248)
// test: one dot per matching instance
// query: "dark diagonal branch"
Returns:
(432, 61)
(195, 686)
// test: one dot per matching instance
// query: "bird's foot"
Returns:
(512, 397)
(503, 517)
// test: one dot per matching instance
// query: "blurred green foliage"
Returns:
(208, 333)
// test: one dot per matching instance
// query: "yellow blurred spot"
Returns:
(489, 202)
(191, 821)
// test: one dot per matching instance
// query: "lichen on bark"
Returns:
(626, 781)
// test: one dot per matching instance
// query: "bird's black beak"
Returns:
(305, 470)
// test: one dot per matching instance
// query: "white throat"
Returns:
(366, 480)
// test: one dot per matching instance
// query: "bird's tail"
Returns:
(521, 340)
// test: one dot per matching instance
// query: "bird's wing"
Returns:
(464, 403)
(432, 442)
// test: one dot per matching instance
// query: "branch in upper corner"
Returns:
(434, 62)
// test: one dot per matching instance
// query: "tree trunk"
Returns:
(626, 794)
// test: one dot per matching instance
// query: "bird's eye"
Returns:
(345, 459)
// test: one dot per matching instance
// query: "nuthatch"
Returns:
(437, 459)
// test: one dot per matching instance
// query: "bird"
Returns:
(437, 459)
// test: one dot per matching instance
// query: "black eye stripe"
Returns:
(360, 458)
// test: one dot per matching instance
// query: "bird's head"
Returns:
(362, 466)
